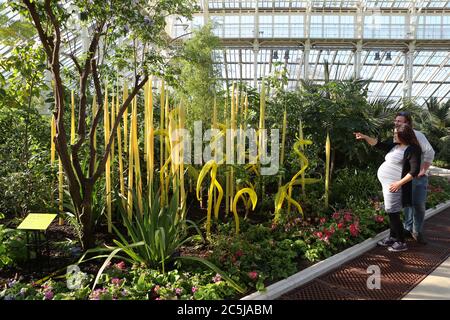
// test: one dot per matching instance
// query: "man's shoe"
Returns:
(386, 242)
(398, 247)
(407, 234)
(419, 238)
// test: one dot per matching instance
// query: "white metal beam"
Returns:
(430, 79)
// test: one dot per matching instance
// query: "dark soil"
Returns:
(63, 250)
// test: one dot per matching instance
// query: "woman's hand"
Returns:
(360, 136)
(369, 140)
(395, 186)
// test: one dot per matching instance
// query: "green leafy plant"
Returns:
(159, 230)
(12, 245)
(154, 238)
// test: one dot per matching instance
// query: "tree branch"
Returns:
(62, 146)
(98, 90)
(81, 130)
(75, 61)
(45, 40)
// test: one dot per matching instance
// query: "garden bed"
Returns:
(260, 257)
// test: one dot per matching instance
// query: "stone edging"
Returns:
(278, 289)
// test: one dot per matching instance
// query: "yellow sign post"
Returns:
(37, 223)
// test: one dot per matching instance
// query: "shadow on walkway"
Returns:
(399, 272)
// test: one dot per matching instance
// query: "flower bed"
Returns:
(262, 254)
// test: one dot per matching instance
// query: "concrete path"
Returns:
(434, 287)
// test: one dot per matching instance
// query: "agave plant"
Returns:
(156, 233)
(154, 238)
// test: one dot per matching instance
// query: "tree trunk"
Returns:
(84, 209)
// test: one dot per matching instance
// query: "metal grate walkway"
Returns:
(400, 272)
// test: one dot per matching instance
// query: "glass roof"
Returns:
(280, 35)
(295, 4)
(384, 28)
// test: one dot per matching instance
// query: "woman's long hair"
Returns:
(406, 135)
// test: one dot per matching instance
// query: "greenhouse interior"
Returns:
(225, 150)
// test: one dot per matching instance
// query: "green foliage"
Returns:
(197, 84)
(159, 230)
(438, 191)
(339, 107)
(253, 255)
(354, 185)
(120, 282)
(24, 133)
(12, 246)
(435, 124)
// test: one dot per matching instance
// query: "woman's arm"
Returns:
(395, 186)
(374, 142)
(414, 168)
(369, 140)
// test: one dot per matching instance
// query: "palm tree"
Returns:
(439, 115)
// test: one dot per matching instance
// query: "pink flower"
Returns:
(322, 220)
(354, 231)
(116, 281)
(217, 278)
(178, 291)
(253, 275)
(379, 218)
(318, 234)
(336, 215)
(120, 265)
(194, 289)
(48, 295)
(96, 294)
(239, 253)
(347, 216)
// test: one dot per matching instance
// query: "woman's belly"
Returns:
(389, 172)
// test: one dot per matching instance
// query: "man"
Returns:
(414, 215)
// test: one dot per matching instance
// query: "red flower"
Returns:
(318, 234)
(379, 218)
(347, 217)
(336, 215)
(120, 265)
(253, 275)
(340, 225)
(354, 231)
(322, 220)
(238, 253)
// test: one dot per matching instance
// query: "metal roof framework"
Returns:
(402, 46)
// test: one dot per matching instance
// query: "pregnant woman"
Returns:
(401, 165)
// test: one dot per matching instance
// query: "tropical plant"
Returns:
(435, 124)
(135, 22)
(12, 245)
(156, 232)
(197, 84)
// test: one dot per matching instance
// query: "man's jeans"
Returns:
(415, 215)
